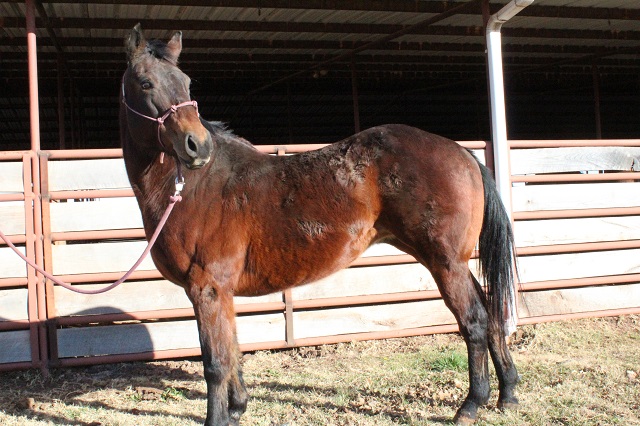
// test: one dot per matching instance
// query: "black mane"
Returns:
(220, 129)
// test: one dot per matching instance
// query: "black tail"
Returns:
(497, 252)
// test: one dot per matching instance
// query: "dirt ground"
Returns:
(583, 372)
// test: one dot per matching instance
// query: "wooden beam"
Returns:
(384, 43)
(568, 12)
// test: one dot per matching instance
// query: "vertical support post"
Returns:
(501, 155)
(287, 296)
(82, 121)
(73, 118)
(61, 130)
(51, 320)
(499, 119)
(488, 151)
(34, 119)
(496, 94)
(354, 94)
(32, 279)
(596, 99)
(289, 119)
(32, 58)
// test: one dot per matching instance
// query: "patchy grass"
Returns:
(573, 373)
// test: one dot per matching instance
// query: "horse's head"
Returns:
(154, 89)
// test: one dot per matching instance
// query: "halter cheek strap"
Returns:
(160, 120)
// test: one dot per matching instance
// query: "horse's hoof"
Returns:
(508, 405)
(463, 419)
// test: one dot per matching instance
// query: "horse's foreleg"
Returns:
(238, 396)
(216, 325)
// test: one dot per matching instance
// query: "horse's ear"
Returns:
(175, 45)
(134, 42)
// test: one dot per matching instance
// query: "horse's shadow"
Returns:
(72, 385)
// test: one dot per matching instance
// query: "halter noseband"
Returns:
(160, 120)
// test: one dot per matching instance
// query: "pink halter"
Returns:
(160, 120)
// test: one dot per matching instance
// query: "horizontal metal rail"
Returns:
(576, 177)
(14, 155)
(93, 193)
(578, 247)
(576, 143)
(15, 239)
(78, 154)
(15, 366)
(580, 282)
(81, 154)
(18, 196)
(579, 315)
(578, 213)
(98, 235)
(14, 325)
(13, 282)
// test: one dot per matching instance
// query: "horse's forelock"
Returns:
(161, 50)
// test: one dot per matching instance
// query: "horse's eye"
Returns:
(146, 85)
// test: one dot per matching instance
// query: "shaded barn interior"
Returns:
(312, 71)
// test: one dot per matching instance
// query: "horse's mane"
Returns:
(221, 130)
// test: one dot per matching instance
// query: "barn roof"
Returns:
(282, 69)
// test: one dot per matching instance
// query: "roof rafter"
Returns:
(543, 11)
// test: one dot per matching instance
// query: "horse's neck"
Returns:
(150, 178)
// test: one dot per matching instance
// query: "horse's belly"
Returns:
(292, 267)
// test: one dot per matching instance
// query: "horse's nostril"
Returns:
(191, 147)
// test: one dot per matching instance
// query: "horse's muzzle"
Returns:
(198, 152)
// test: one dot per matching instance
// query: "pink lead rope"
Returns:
(172, 202)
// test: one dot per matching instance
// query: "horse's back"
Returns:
(409, 159)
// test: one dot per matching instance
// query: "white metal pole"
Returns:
(496, 93)
(499, 122)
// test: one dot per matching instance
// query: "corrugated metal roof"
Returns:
(237, 47)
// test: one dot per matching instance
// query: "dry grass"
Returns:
(574, 373)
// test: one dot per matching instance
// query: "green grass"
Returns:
(450, 360)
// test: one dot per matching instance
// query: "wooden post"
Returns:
(289, 119)
(354, 93)
(72, 110)
(596, 99)
(61, 130)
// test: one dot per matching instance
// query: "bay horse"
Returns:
(251, 224)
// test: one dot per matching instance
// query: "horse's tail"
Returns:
(497, 256)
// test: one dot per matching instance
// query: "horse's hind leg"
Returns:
(456, 285)
(505, 368)
(503, 363)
